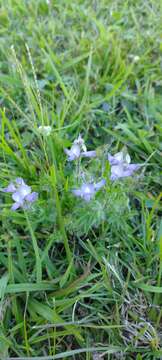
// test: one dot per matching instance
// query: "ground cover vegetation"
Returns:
(80, 182)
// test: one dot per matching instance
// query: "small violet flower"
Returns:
(105, 107)
(121, 166)
(21, 194)
(88, 190)
(78, 150)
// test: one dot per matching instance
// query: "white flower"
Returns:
(135, 58)
(45, 130)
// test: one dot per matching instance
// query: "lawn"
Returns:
(80, 194)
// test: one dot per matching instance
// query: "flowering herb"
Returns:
(121, 166)
(78, 150)
(87, 190)
(21, 194)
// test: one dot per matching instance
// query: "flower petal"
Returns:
(24, 190)
(16, 196)
(116, 159)
(87, 197)
(127, 159)
(121, 170)
(79, 140)
(75, 150)
(100, 184)
(116, 171)
(89, 154)
(20, 181)
(32, 197)
(130, 169)
(10, 188)
(67, 152)
(73, 153)
(77, 192)
(16, 206)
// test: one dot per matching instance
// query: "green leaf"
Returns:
(29, 287)
(160, 239)
(3, 285)
(150, 288)
(50, 315)
(65, 277)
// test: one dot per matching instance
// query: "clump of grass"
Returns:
(92, 288)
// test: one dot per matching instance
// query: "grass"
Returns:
(81, 280)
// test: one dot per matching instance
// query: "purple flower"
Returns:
(120, 166)
(78, 150)
(105, 107)
(73, 153)
(119, 158)
(88, 190)
(21, 194)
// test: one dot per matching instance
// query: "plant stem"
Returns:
(58, 205)
(36, 250)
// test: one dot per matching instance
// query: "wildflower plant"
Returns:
(119, 163)
(98, 185)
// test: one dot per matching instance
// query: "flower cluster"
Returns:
(120, 167)
(120, 164)
(21, 194)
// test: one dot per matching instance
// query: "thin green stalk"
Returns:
(36, 250)
(12, 280)
(21, 259)
(58, 205)
(25, 328)
(150, 217)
